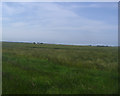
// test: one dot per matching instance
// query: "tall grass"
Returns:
(59, 69)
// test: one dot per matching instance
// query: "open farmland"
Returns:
(58, 69)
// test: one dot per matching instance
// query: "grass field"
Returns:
(59, 69)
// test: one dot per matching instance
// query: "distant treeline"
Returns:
(37, 43)
(100, 45)
(87, 45)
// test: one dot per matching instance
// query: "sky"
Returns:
(77, 23)
(0, 21)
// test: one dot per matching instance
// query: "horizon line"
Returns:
(37, 42)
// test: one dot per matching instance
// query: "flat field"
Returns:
(59, 69)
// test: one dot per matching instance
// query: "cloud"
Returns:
(53, 22)
(19, 24)
(60, 1)
(10, 9)
(92, 5)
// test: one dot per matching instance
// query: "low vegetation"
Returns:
(59, 69)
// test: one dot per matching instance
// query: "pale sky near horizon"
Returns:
(66, 23)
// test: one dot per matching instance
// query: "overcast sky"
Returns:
(66, 23)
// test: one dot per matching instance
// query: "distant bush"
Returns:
(102, 46)
(34, 43)
(39, 43)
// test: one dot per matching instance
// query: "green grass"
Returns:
(59, 69)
